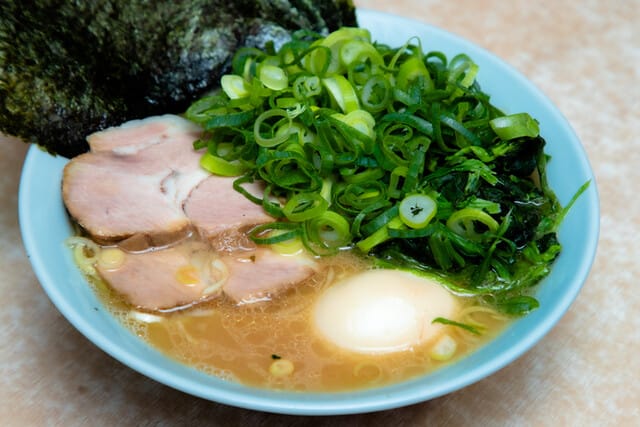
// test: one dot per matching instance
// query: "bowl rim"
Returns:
(417, 390)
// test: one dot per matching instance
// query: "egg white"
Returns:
(382, 311)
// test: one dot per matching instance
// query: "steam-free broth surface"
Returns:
(241, 342)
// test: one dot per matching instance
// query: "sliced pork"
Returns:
(190, 272)
(135, 135)
(263, 274)
(138, 180)
(215, 207)
(172, 277)
(114, 197)
(142, 187)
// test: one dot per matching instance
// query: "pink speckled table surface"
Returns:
(585, 56)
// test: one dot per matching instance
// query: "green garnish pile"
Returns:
(393, 152)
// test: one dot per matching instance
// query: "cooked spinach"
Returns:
(500, 266)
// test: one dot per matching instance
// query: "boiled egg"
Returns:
(382, 311)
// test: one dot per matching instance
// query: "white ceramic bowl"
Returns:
(45, 226)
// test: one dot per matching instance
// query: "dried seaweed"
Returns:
(69, 68)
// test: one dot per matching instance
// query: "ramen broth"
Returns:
(240, 342)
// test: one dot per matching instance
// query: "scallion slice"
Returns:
(416, 210)
(220, 166)
(515, 126)
(471, 223)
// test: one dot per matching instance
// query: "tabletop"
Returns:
(585, 56)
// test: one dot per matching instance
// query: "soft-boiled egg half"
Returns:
(382, 311)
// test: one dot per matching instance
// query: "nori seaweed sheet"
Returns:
(70, 67)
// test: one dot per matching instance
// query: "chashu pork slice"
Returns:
(136, 135)
(118, 193)
(112, 204)
(158, 280)
(143, 182)
(186, 274)
(264, 273)
(215, 207)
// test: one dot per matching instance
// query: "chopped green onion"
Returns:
(360, 120)
(465, 222)
(274, 137)
(219, 119)
(334, 43)
(304, 87)
(444, 349)
(304, 206)
(379, 236)
(417, 210)
(220, 166)
(376, 93)
(354, 51)
(342, 92)
(234, 87)
(273, 77)
(329, 230)
(392, 152)
(291, 243)
(274, 232)
(515, 126)
(413, 69)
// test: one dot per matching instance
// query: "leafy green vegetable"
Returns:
(466, 327)
(392, 151)
(518, 305)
